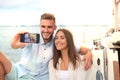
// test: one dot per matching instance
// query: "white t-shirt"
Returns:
(64, 75)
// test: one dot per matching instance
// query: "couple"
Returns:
(36, 57)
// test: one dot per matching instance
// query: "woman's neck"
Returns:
(64, 54)
(64, 60)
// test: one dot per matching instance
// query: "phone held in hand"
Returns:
(30, 38)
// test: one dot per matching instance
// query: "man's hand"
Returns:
(88, 60)
(16, 41)
(87, 56)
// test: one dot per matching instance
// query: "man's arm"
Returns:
(87, 56)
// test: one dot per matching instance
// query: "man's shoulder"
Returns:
(51, 61)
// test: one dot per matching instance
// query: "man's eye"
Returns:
(43, 26)
(49, 26)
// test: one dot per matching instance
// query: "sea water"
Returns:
(81, 34)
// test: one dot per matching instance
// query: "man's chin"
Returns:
(47, 39)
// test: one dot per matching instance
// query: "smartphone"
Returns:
(30, 38)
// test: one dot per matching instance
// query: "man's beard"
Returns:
(48, 39)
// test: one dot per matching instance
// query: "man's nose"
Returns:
(46, 29)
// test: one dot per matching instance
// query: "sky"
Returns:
(67, 12)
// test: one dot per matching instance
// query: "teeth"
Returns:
(46, 34)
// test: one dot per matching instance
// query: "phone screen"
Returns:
(30, 38)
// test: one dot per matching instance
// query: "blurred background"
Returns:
(89, 20)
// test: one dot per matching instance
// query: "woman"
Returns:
(66, 63)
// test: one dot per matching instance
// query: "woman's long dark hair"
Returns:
(72, 54)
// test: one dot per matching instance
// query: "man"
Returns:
(34, 61)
